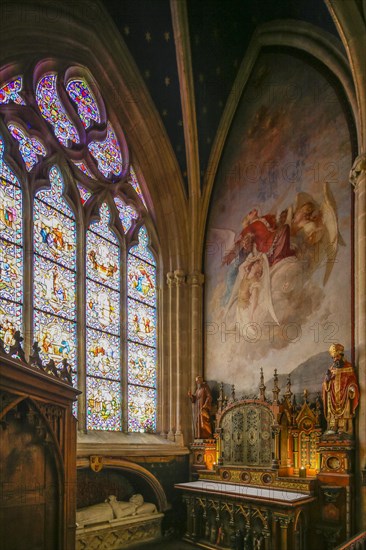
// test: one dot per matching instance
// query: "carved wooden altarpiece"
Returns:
(277, 482)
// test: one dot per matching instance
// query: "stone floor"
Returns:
(169, 545)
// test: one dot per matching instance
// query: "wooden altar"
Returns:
(37, 456)
(270, 479)
(239, 516)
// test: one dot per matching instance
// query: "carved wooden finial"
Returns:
(35, 358)
(288, 392)
(232, 396)
(306, 394)
(221, 397)
(318, 410)
(16, 350)
(51, 367)
(65, 372)
(276, 390)
(262, 387)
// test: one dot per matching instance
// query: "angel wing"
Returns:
(332, 238)
(219, 242)
(266, 295)
(315, 230)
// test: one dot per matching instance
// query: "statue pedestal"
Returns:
(336, 452)
(204, 454)
(336, 487)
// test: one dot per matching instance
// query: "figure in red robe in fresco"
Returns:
(270, 237)
(340, 393)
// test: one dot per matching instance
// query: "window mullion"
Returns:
(81, 323)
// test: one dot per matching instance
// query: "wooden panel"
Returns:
(37, 459)
(30, 499)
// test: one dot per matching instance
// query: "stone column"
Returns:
(358, 180)
(171, 350)
(195, 282)
(163, 369)
(181, 345)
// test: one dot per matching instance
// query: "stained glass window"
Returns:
(107, 153)
(84, 193)
(119, 282)
(29, 147)
(142, 339)
(84, 168)
(53, 111)
(54, 239)
(103, 365)
(135, 184)
(10, 92)
(126, 213)
(11, 252)
(87, 106)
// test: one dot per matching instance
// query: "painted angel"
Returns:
(314, 231)
(250, 298)
(254, 299)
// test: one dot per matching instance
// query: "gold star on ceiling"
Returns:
(126, 30)
(167, 81)
(201, 77)
(204, 109)
(164, 112)
(147, 74)
(167, 36)
(180, 123)
(148, 36)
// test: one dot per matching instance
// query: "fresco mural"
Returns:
(278, 243)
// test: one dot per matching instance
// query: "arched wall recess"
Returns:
(137, 471)
(303, 37)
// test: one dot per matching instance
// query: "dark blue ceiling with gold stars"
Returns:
(146, 27)
(220, 32)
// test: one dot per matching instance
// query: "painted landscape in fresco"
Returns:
(278, 254)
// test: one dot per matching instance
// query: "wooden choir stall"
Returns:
(37, 452)
(271, 477)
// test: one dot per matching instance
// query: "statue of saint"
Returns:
(340, 393)
(202, 400)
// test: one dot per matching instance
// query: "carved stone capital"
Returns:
(358, 171)
(170, 279)
(196, 278)
(180, 277)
